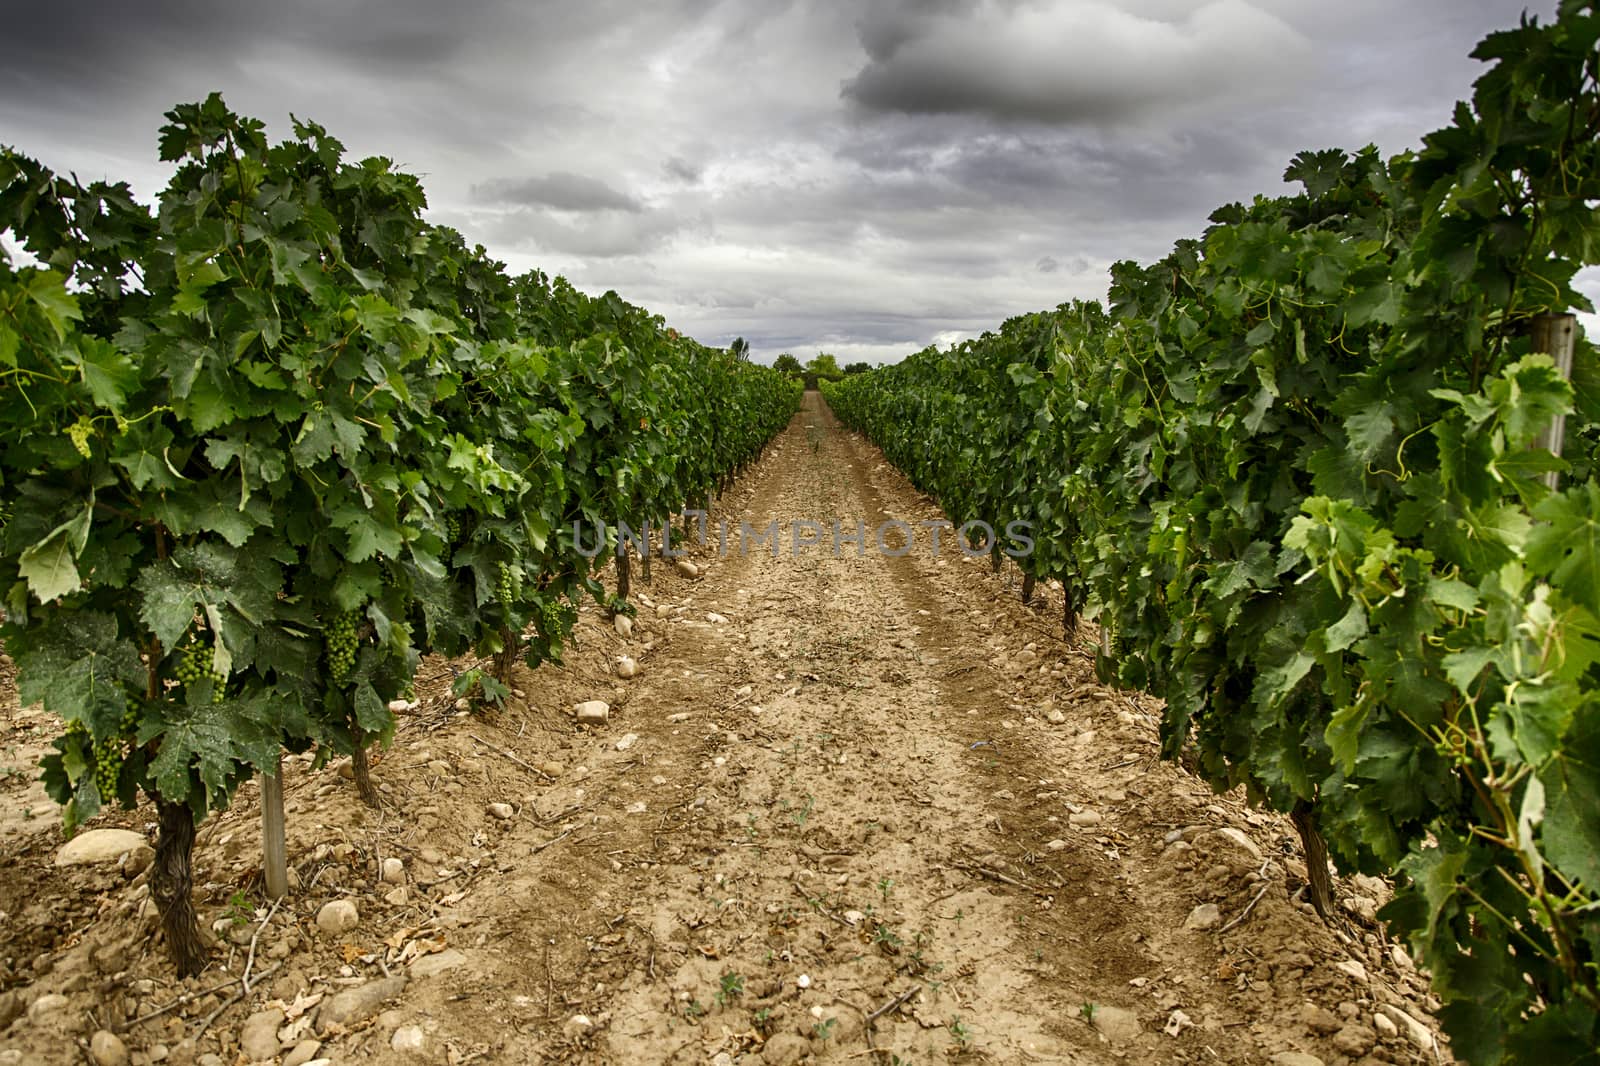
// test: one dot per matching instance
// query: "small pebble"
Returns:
(408, 1038)
(107, 1049)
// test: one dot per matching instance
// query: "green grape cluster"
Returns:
(129, 725)
(452, 528)
(555, 618)
(195, 665)
(110, 752)
(78, 433)
(509, 584)
(107, 765)
(340, 638)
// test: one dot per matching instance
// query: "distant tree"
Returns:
(857, 368)
(788, 364)
(740, 348)
(824, 366)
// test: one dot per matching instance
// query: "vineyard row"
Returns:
(266, 443)
(1304, 473)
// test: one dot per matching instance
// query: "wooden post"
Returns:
(274, 853)
(1554, 335)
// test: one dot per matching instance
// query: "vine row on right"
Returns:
(1299, 472)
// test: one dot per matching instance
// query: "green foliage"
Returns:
(824, 367)
(1294, 472)
(265, 444)
(788, 365)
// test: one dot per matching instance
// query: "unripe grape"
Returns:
(78, 433)
(129, 726)
(107, 766)
(339, 637)
(506, 589)
(195, 665)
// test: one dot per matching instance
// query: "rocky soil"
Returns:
(801, 808)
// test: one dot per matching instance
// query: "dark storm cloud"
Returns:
(1081, 190)
(96, 42)
(1065, 62)
(560, 189)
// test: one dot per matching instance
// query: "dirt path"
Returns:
(851, 804)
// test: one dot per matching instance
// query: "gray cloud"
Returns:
(703, 159)
(1069, 61)
(560, 189)
(680, 169)
(538, 234)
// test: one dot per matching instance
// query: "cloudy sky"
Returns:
(863, 178)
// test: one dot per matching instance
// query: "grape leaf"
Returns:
(107, 371)
(50, 566)
(1571, 831)
(1566, 545)
(48, 292)
(202, 577)
(208, 740)
(77, 665)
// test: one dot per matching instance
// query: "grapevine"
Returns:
(1295, 472)
(296, 512)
